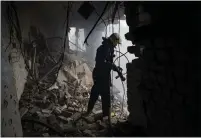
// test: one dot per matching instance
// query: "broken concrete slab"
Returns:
(76, 116)
(63, 119)
(46, 111)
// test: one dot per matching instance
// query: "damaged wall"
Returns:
(10, 116)
(167, 81)
(14, 56)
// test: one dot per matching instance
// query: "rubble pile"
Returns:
(57, 111)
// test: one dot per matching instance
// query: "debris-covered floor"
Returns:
(58, 110)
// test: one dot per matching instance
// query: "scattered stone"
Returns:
(113, 120)
(88, 133)
(63, 118)
(69, 128)
(89, 119)
(46, 111)
(76, 116)
(92, 126)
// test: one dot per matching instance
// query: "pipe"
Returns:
(97, 21)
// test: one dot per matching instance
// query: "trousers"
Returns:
(101, 88)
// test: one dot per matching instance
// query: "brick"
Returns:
(63, 119)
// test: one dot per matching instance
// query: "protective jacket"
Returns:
(104, 60)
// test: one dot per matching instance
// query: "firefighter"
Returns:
(101, 74)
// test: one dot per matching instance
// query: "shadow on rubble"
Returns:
(125, 129)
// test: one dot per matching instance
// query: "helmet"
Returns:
(115, 38)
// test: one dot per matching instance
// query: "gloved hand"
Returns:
(119, 69)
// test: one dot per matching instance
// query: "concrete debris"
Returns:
(64, 119)
(46, 135)
(53, 87)
(57, 110)
(46, 111)
(76, 116)
(89, 133)
(62, 105)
